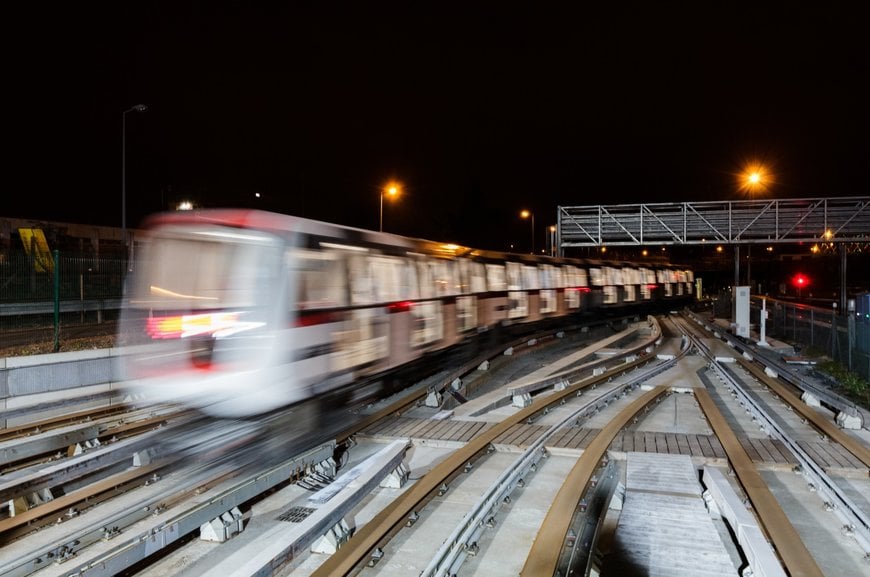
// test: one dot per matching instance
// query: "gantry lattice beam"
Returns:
(845, 219)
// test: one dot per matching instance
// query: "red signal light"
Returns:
(800, 280)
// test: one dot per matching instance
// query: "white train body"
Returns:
(240, 312)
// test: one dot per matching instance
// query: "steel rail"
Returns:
(201, 493)
(762, 357)
(464, 537)
(398, 405)
(543, 558)
(785, 538)
(134, 550)
(38, 447)
(86, 416)
(67, 505)
(851, 444)
(857, 522)
(395, 515)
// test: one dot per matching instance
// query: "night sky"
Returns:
(478, 112)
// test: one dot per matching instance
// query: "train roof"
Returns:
(287, 224)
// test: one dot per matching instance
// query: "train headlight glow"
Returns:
(185, 326)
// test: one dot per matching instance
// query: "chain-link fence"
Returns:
(49, 299)
(845, 339)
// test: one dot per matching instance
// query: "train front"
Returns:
(204, 320)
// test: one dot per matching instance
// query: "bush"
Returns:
(853, 383)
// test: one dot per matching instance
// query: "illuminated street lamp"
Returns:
(137, 108)
(391, 189)
(552, 240)
(755, 179)
(531, 215)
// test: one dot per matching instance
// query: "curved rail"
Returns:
(762, 357)
(851, 444)
(390, 519)
(856, 520)
(785, 538)
(543, 558)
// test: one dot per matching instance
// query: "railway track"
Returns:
(537, 475)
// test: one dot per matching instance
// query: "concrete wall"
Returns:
(39, 387)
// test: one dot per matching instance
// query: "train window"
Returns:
(322, 280)
(198, 269)
(647, 276)
(612, 276)
(478, 277)
(466, 313)
(442, 279)
(560, 277)
(411, 279)
(531, 277)
(514, 276)
(454, 285)
(424, 276)
(596, 276)
(570, 275)
(661, 276)
(388, 279)
(576, 276)
(549, 276)
(362, 340)
(362, 289)
(461, 275)
(428, 323)
(495, 277)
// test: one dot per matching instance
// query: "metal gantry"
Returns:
(845, 219)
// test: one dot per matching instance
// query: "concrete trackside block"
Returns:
(760, 555)
(398, 478)
(323, 527)
(223, 527)
(433, 399)
(332, 539)
(522, 401)
(847, 421)
(811, 400)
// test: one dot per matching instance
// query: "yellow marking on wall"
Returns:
(37, 248)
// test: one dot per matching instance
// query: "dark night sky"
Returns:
(478, 111)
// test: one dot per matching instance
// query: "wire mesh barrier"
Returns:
(48, 301)
(844, 339)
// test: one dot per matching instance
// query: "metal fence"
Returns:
(845, 339)
(52, 298)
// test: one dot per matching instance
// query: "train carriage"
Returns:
(240, 312)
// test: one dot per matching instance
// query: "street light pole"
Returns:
(754, 179)
(392, 190)
(531, 215)
(136, 108)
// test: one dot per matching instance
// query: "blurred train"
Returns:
(240, 312)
